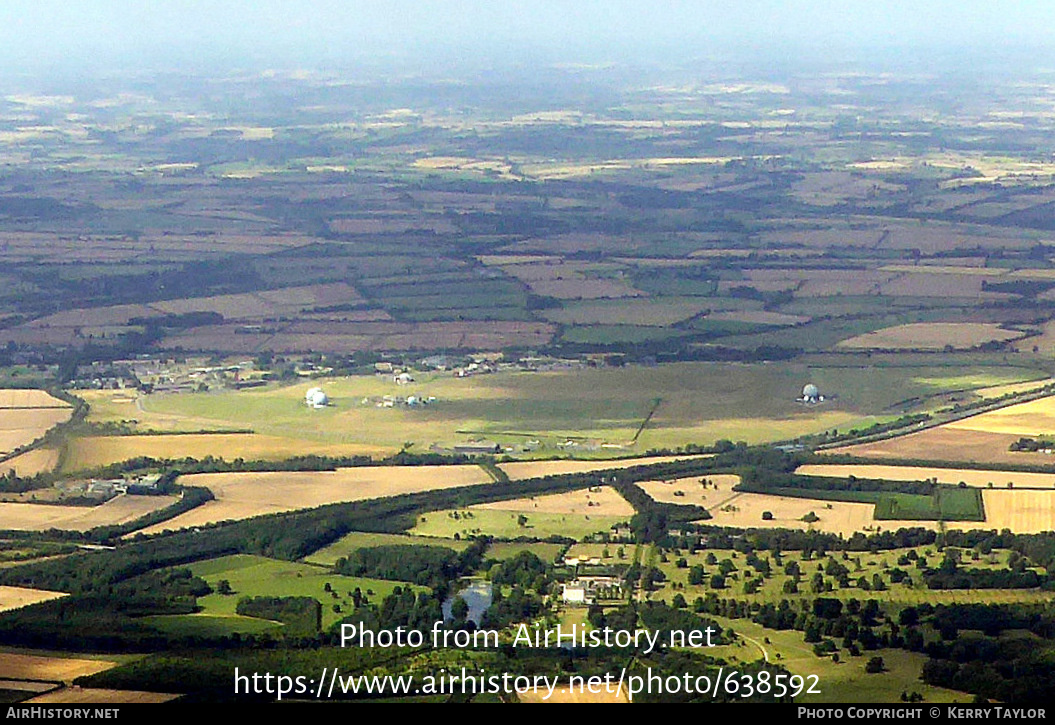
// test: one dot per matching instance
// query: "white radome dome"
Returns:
(316, 398)
(810, 391)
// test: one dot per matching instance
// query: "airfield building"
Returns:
(316, 398)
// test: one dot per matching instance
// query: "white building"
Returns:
(316, 398)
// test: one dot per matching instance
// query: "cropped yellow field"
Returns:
(244, 495)
(18, 666)
(30, 463)
(98, 696)
(534, 469)
(744, 510)
(566, 694)
(103, 450)
(22, 426)
(30, 399)
(40, 517)
(972, 477)
(18, 597)
(1023, 512)
(691, 491)
(1037, 417)
(598, 501)
(931, 336)
(947, 444)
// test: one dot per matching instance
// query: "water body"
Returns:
(478, 595)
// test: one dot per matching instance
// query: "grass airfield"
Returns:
(605, 410)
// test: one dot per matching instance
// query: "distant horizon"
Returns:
(82, 37)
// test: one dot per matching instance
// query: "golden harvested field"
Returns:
(40, 517)
(17, 666)
(1036, 417)
(536, 469)
(18, 597)
(30, 463)
(566, 694)
(1023, 512)
(975, 478)
(930, 336)
(947, 444)
(87, 453)
(244, 495)
(30, 399)
(744, 510)
(690, 491)
(22, 426)
(598, 501)
(97, 696)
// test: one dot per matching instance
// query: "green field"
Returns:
(503, 550)
(844, 681)
(504, 524)
(946, 504)
(257, 576)
(329, 555)
(209, 625)
(700, 403)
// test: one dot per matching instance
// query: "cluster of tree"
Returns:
(524, 570)
(302, 615)
(1031, 445)
(660, 617)
(951, 576)
(520, 605)
(431, 566)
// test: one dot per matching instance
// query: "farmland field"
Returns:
(329, 555)
(25, 415)
(931, 336)
(1036, 417)
(30, 463)
(744, 510)
(945, 443)
(975, 478)
(599, 501)
(98, 696)
(691, 491)
(507, 524)
(41, 517)
(244, 495)
(535, 469)
(19, 666)
(256, 576)
(16, 597)
(87, 453)
(1023, 512)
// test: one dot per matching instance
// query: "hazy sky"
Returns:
(37, 34)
